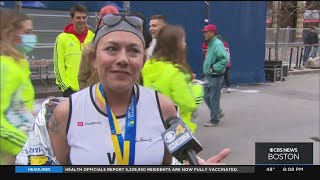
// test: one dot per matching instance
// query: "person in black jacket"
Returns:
(315, 43)
(310, 41)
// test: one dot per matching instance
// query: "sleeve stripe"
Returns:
(56, 61)
(12, 137)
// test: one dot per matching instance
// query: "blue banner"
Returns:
(8, 4)
(190, 15)
(92, 6)
(38, 169)
(243, 25)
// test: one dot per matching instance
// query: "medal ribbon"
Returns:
(124, 148)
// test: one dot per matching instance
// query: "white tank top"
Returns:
(89, 136)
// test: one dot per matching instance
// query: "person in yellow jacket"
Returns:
(68, 49)
(168, 72)
(17, 92)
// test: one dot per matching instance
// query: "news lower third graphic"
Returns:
(135, 169)
(276, 157)
(279, 153)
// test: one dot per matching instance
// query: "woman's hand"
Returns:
(216, 159)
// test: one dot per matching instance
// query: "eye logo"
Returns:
(170, 136)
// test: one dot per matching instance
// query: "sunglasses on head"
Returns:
(114, 19)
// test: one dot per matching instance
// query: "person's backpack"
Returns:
(226, 46)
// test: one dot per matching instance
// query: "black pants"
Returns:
(226, 78)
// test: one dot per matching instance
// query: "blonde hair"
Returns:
(10, 21)
(88, 52)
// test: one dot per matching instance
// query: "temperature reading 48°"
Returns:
(270, 169)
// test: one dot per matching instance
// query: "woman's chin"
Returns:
(121, 85)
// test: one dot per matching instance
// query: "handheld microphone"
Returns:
(180, 142)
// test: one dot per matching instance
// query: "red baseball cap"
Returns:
(110, 9)
(210, 27)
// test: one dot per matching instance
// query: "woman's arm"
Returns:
(57, 129)
(168, 109)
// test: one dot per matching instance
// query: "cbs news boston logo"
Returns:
(284, 153)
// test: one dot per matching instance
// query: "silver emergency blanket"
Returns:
(38, 148)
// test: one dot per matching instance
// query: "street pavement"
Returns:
(286, 111)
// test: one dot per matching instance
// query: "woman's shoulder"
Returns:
(175, 69)
(166, 69)
(160, 64)
(10, 62)
(7, 59)
(171, 67)
(61, 111)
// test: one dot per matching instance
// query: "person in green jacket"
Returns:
(68, 50)
(168, 72)
(214, 67)
(17, 92)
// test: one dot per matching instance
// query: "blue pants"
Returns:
(306, 53)
(314, 51)
(212, 94)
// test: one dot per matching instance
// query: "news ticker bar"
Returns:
(135, 169)
(227, 169)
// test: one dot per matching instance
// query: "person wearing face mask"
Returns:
(17, 92)
(68, 50)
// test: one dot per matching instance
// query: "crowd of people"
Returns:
(120, 84)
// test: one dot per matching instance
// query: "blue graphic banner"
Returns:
(243, 25)
(92, 6)
(39, 169)
(189, 15)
